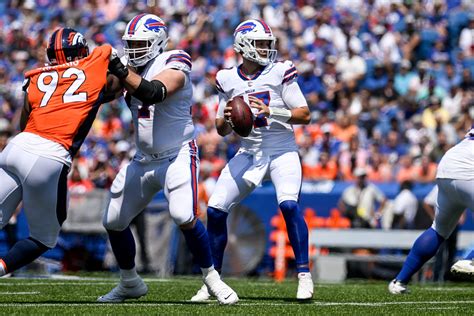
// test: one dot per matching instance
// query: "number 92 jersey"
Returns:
(276, 86)
(64, 99)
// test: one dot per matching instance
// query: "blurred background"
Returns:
(390, 89)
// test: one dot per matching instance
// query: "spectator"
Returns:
(326, 169)
(405, 206)
(358, 202)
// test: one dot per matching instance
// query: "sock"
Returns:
(198, 243)
(423, 249)
(129, 277)
(470, 255)
(123, 247)
(297, 233)
(217, 230)
(206, 271)
(22, 253)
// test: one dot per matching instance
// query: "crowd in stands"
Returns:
(389, 83)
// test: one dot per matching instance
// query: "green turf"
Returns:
(77, 297)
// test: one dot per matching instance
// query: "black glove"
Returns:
(118, 69)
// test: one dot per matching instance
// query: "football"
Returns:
(241, 117)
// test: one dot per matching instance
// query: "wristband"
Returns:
(279, 114)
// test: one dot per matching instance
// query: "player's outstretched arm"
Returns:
(166, 83)
(113, 88)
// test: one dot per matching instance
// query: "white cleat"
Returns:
(202, 295)
(224, 294)
(397, 287)
(305, 286)
(121, 292)
(465, 266)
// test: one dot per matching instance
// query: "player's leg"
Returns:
(466, 265)
(10, 197)
(229, 190)
(181, 192)
(285, 171)
(44, 183)
(449, 207)
(129, 195)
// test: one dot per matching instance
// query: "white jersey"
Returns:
(458, 162)
(276, 86)
(167, 125)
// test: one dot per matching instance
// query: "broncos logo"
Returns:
(154, 25)
(74, 38)
(245, 28)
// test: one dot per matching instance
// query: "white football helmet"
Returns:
(245, 36)
(149, 29)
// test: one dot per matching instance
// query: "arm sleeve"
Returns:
(292, 95)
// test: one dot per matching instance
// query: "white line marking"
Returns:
(322, 304)
(19, 293)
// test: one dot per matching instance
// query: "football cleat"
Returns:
(305, 286)
(121, 292)
(463, 267)
(202, 295)
(224, 294)
(397, 287)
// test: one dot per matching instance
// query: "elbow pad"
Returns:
(150, 92)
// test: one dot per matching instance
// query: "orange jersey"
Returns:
(64, 99)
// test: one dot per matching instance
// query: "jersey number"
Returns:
(70, 95)
(261, 120)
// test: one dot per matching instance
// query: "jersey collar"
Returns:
(245, 77)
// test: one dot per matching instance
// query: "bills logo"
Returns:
(245, 28)
(154, 25)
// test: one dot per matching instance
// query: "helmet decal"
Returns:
(154, 25)
(245, 28)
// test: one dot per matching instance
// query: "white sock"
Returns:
(304, 274)
(206, 271)
(3, 267)
(129, 277)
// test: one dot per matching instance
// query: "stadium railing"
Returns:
(332, 266)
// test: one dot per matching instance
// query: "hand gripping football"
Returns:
(241, 117)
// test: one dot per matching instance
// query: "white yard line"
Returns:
(322, 304)
(19, 293)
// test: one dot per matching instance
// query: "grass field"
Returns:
(77, 295)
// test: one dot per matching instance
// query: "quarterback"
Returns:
(269, 152)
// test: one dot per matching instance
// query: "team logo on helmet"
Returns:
(245, 28)
(75, 38)
(154, 25)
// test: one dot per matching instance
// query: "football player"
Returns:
(159, 94)
(61, 102)
(455, 181)
(269, 152)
